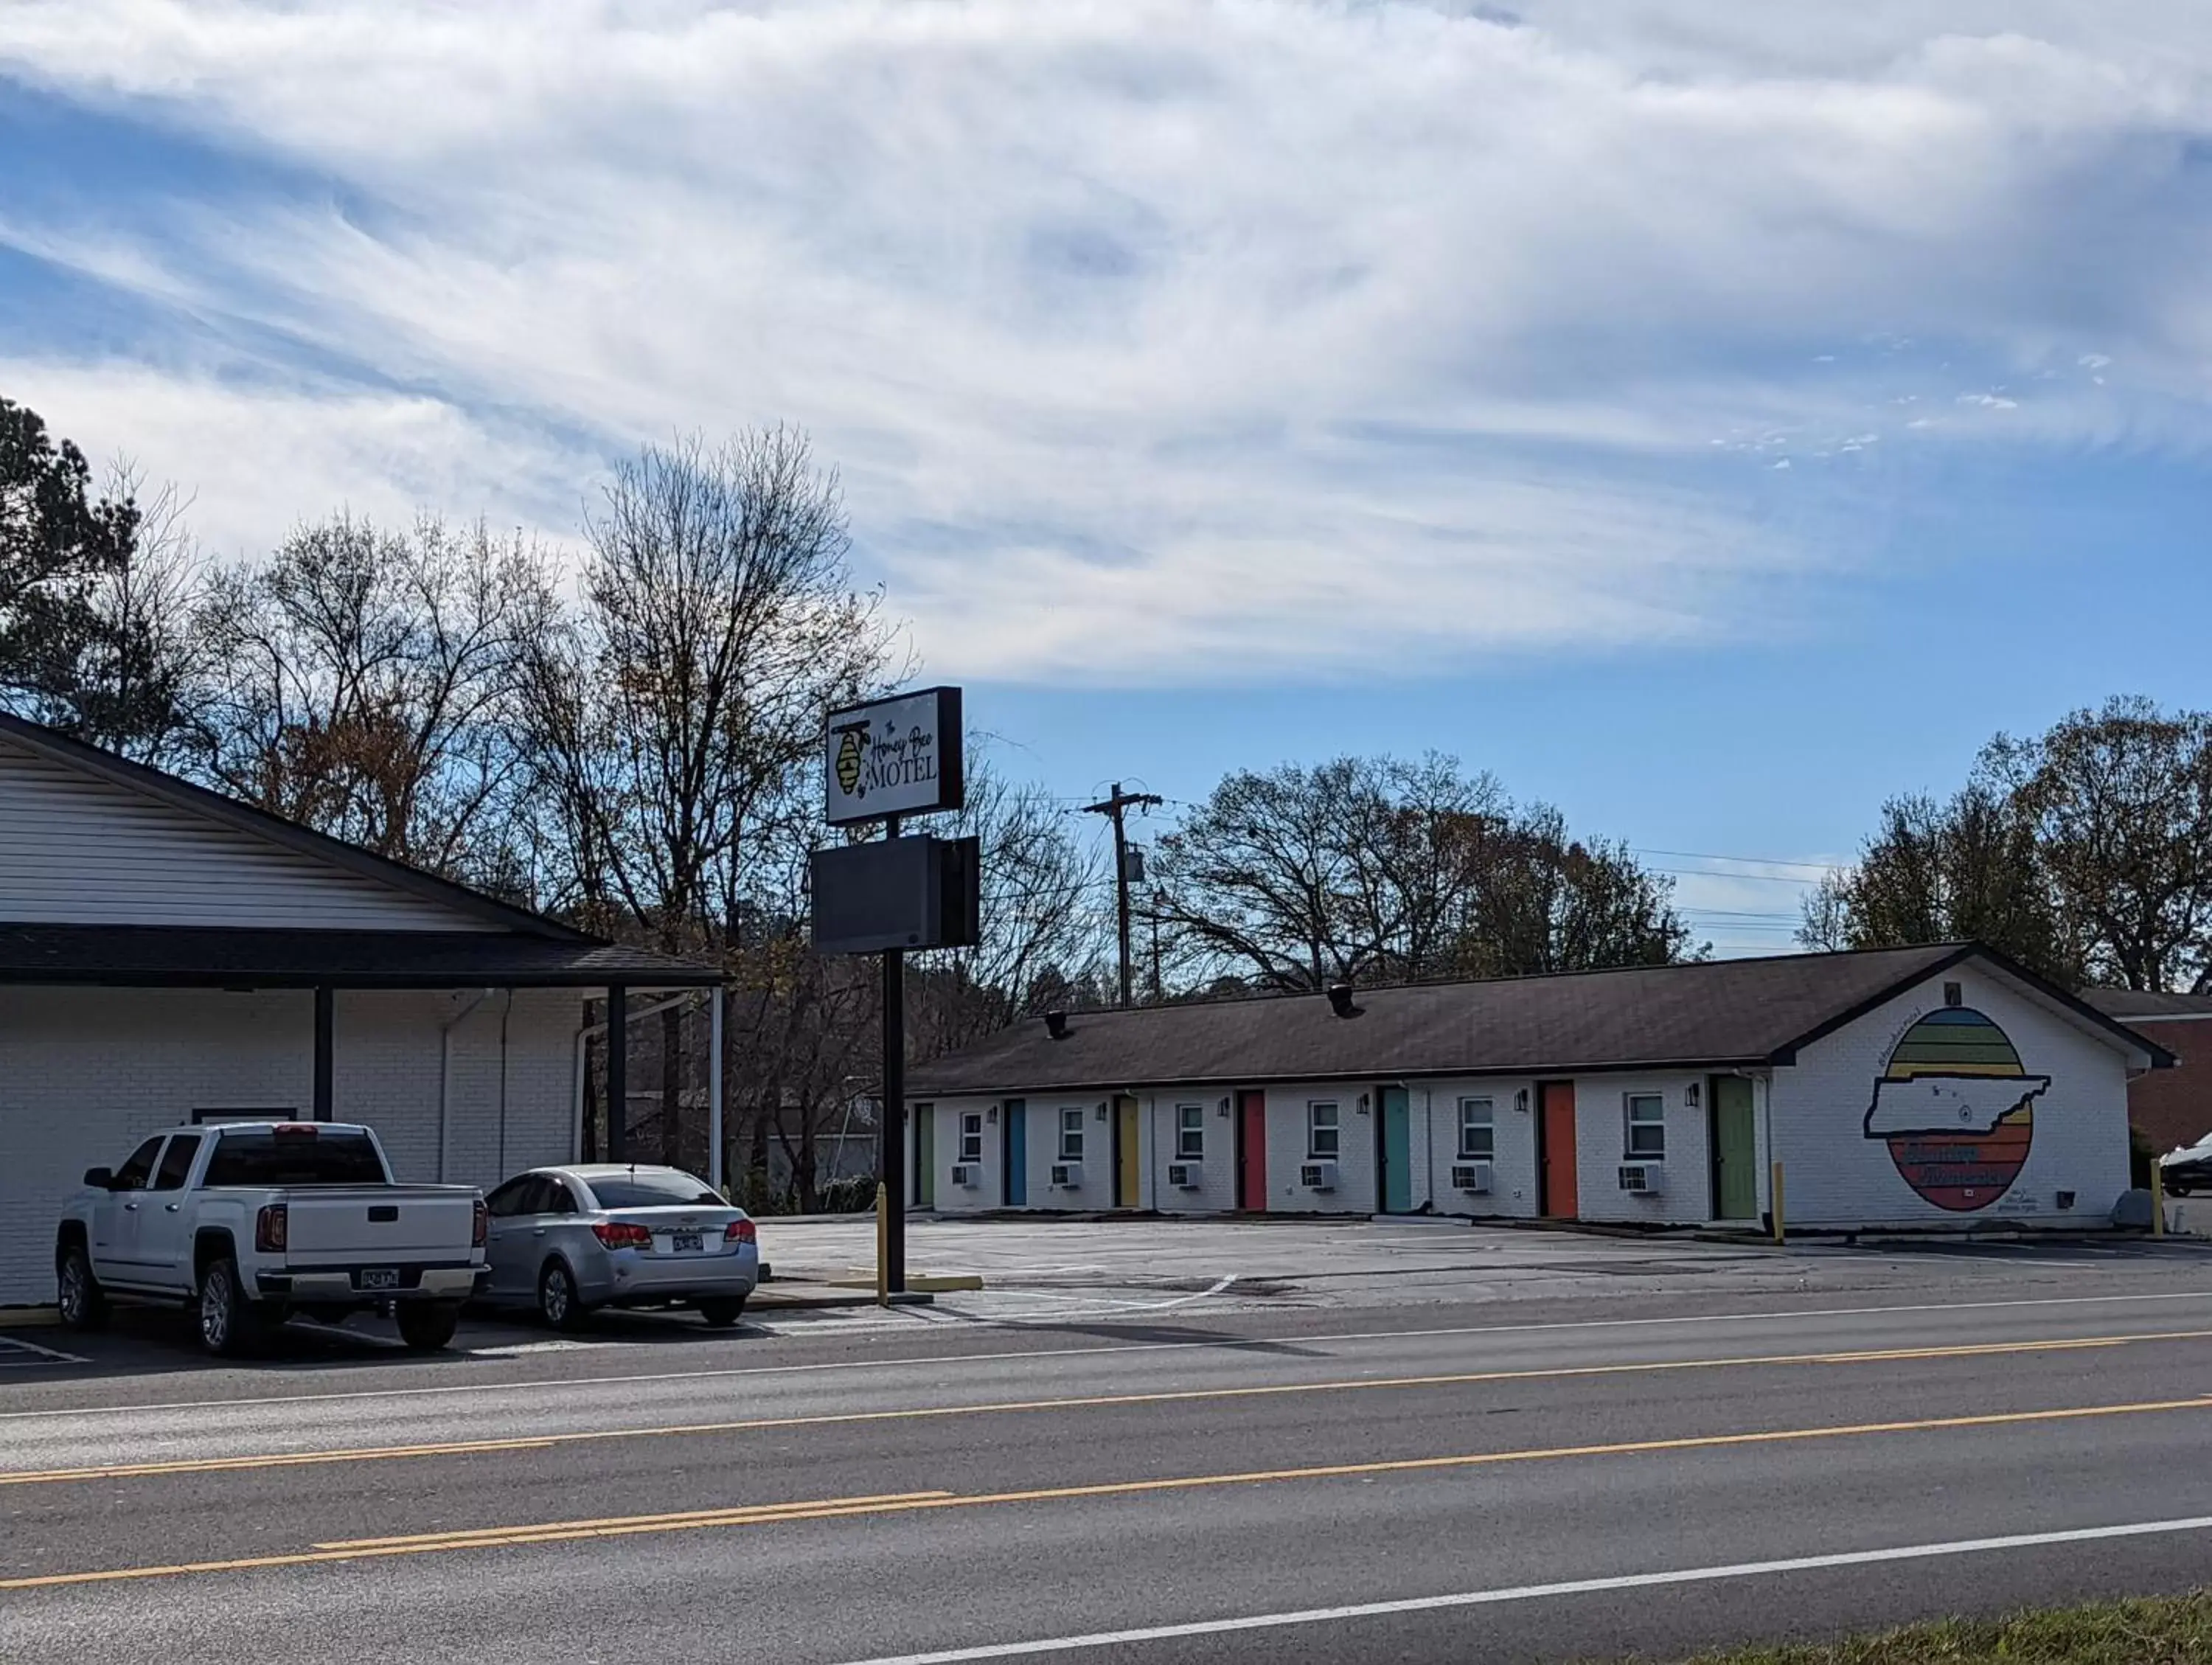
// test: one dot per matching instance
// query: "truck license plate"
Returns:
(380, 1277)
(685, 1242)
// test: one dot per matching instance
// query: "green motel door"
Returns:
(1397, 1151)
(1736, 1150)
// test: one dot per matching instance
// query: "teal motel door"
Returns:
(1397, 1136)
(1014, 1151)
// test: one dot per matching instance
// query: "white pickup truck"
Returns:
(250, 1222)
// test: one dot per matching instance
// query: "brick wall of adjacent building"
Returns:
(2173, 1108)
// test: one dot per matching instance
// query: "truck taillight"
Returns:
(740, 1231)
(622, 1233)
(271, 1227)
(480, 1227)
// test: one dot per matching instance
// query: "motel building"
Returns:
(1934, 1087)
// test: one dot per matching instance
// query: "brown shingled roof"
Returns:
(1711, 1014)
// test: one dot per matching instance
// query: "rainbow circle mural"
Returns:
(1956, 1109)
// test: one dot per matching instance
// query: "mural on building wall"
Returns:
(1956, 1109)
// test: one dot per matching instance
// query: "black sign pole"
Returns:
(893, 1153)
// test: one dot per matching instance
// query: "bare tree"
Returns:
(2120, 803)
(368, 683)
(1044, 916)
(1380, 869)
(675, 718)
(1966, 868)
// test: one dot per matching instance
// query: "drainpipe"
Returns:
(576, 1066)
(505, 1013)
(446, 1080)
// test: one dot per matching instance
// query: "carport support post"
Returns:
(325, 1050)
(618, 1072)
(714, 1089)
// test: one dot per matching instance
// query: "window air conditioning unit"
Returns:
(967, 1174)
(1318, 1175)
(1471, 1176)
(1643, 1179)
(1184, 1175)
(1067, 1176)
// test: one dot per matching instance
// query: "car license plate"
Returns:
(685, 1242)
(380, 1277)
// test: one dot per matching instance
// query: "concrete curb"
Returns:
(26, 1318)
(832, 1296)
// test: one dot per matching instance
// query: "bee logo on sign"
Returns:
(896, 756)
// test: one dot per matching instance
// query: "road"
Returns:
(1569, 1480)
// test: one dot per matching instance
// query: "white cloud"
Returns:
(1231, 333)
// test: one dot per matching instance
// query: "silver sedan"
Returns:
(566, 1240)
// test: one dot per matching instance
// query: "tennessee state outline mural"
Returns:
(1956, 1109)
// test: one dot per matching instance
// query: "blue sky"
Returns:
(1708, 418)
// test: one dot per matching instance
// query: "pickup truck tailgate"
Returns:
(373, 1223)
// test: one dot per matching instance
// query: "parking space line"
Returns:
(38, 1356)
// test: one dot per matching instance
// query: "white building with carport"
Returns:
(168, 955)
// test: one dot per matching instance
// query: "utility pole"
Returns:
(1114, 809)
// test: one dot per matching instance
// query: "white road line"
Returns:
(1484, 1598)
(569, 1384)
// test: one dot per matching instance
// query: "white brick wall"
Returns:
(1217, 1165)
(1602, 1146)
(1287, 1150)
(1833, 1173)
(1513, 1191)
(86, 1073)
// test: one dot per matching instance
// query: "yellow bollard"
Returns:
(883, 1245)
(1777, 1204)
(2157, 1200)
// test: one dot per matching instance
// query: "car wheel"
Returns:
(230, 1324)
(427, 1326)
(83, 1302)
(723, 1312)
(558, 1303)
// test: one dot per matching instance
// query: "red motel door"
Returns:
(1558, 1109)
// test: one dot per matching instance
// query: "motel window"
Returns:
(1478, 1134)
(1321, 1132)
(1070, 1135)
(1647, 1125)
(971, 1136)
(1190, 1132)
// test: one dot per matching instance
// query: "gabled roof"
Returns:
(1708, 1014)
(107, 766)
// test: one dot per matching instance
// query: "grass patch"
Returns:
(2152, 1630)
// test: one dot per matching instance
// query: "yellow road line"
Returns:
(1094, 1401)
(554, 1532)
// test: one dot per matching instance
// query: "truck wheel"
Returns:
(427, 1326)
(83, 1302)
(230, 1323)
(558, 1303)
(722, 1311)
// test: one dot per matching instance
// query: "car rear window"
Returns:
(307, 1156)
(652, 1187)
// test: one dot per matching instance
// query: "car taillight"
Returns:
(621, 1234)
(270, 1227)
(480, 1228)
(740, 1231)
